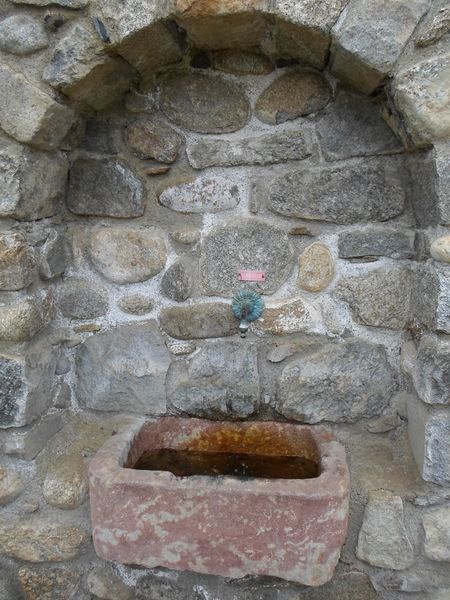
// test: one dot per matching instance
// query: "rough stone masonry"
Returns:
(148, 152)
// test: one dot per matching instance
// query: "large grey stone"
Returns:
(81, 299)
(241, 62)
(124, 369)
(203, 195)
(136, 304)
(41, 540)
(82, 69)
(383, 540)
(177, 282)
(436, 525)
(55, 255)
(17, 261)
(369, 191)
(370, 241)
(31, 182)
(429, 436)
(30, 115)
(127, 254)
(337, 382)
(27, 382)
(221, 381)
(203, 103)
(293, 95)
(353, 126)
(27, 443)
(430, 298)
(21, 320)
(379, 298)
(369, 38)
(197, 321)
(431, 371)
(104, 187)
(430, 190)
(244, 243)
(261, 150)
(422, 94)
(22, 34)
(152, 138)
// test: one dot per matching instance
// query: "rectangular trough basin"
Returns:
(229, 499)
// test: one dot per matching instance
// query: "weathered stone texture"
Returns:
(203, 195)
(359, 243)
(430, 298)
(261, 150)
(202, 103)
(66, 483)
(369, 191)
(16, 261)
(124, 369)
(27, 382)
(440, 249)
(353, 126)
(54, 256)
(30, 115)
(197, 321)
(151, 138)
(136, 304)
(31, 181)
(430, 177)
(177, 282)
(103, 584)
(126, 254)
(422, 93)
(436, 525)
(82, 69)
(431, 371)
(219, 382)
(383, 540)
(242, 62)
(41, 540)
(244, 244)
(282, 317)
(27, 443)
(317, 268)
(49, 583)
(368, 39)
(429, 436)
(185, 235)
(309, 45)
(104, 187)
(22, 35)
(291, 96)
(380, 298)
(316, 386)
(435, 29)
(11, 486)
(63, 3)
(81, 299)
(21, 320)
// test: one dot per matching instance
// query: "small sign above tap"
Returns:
(246, 275)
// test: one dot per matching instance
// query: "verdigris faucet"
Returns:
(247, 306)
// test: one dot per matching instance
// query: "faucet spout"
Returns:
(247, 306)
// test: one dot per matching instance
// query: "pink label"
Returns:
(245, 275)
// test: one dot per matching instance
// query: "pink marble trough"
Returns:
(222, 525)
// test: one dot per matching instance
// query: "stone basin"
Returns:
(222, 524)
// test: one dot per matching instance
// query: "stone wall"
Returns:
(149, 152)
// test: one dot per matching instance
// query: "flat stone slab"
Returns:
(207, 523)
(259, 150)
(369, 191)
